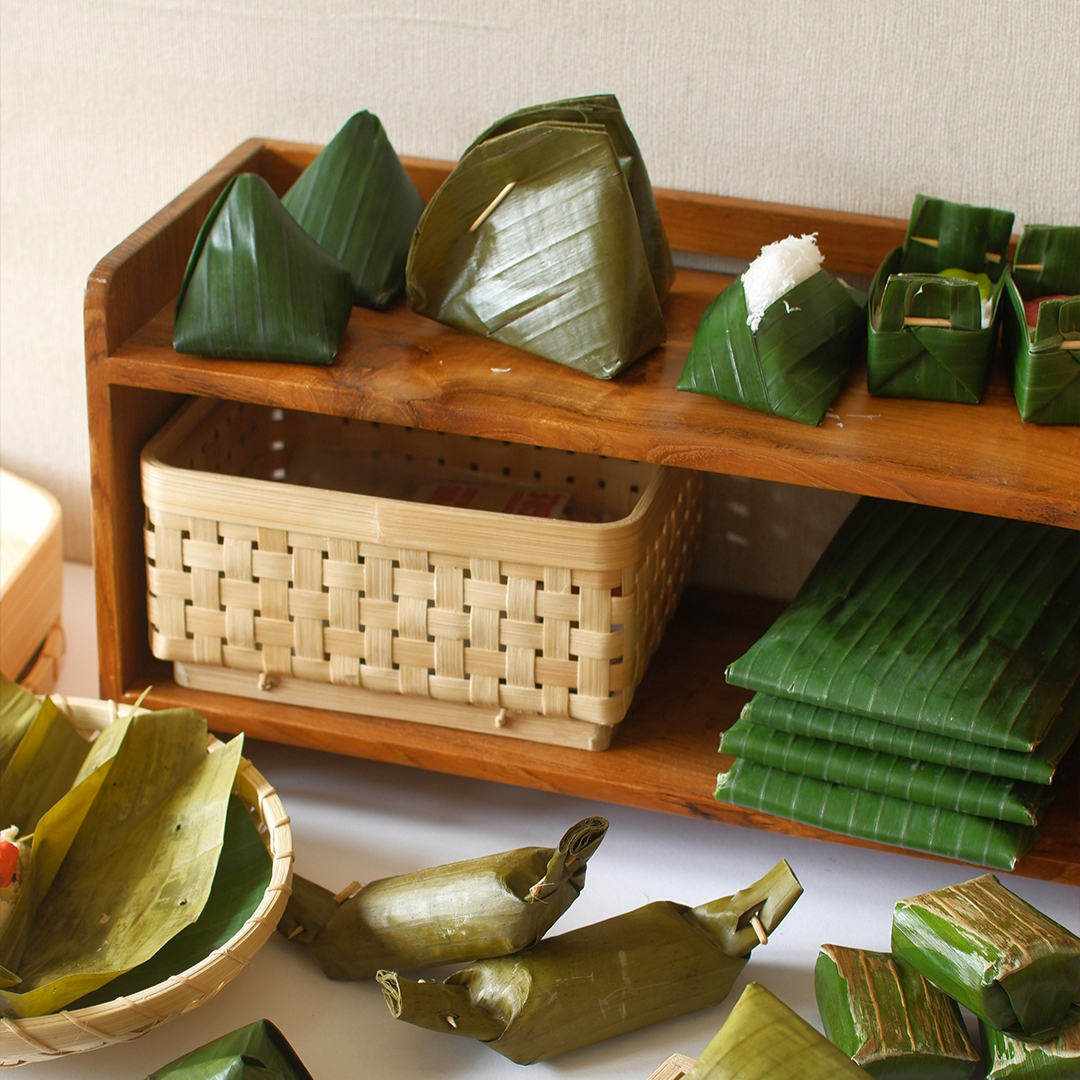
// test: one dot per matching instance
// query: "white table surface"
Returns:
(365, 820)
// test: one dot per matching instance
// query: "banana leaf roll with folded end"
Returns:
(258, 1051)
(257, 287)
(780, 338)
(579, 988)
(357, 201)
(888, 1019)
(490, 906)
(1013, 1057)
(1011, 965)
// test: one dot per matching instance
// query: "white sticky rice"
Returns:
(777, 270)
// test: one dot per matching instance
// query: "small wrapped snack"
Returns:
(256, 1052)
(888, 1019)
(463, 911)
(1012, 1057)
(933, 303)
(1041, 324)
(647, 965)
(1012, 966)
(781, 337)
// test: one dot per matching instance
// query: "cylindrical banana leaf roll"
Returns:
(647, 965)
(462, 911)
(870, 816)
(888, 1019)
(1012, 1057)
(887, 774)
(1011, 965)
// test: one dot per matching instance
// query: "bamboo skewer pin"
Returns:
(492, 206)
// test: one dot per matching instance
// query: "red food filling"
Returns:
(9, 861)
(1031, 308)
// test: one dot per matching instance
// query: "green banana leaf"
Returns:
(1011, 965)
(18, 707)
(900, 777)
(463, 911)
(553, 264)
(870, 816)
(605, 109)
(257, 287)
(256, 1052)
(357, 201)
(942, 234)
(955, 624)
(888, 1019)
(763, 1039)
(1037, 767)
(794, 364)
(1012, 1057)
(612, 977)
(1047, 260)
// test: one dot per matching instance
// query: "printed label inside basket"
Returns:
(501, 498)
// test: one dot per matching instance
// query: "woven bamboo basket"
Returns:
(73, 1031)
(288, 559)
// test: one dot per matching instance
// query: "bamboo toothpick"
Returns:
(755, 922)
(348, 892)
(915, 320)
(492, 206)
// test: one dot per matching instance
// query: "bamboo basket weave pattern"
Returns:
(283, 549)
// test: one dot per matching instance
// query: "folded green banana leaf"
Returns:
(1037, 767)
(605, 109)
(463, 911)
(870, 816)
(887, 774)
(612, 977)
(18, 708)
(794, 364)
(955, 624)
(763, 1039)
(888, 1019)
(357, 201)
(256, 1052)
(1012, 1057)
(257, 287)
(942, 234)
(533, 241)
(1011, 965)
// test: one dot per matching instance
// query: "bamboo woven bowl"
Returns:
(73, 1031)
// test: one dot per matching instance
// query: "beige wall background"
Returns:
(108, 108)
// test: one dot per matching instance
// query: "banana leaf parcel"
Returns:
(256, 1052)
(357, 201)
(928, 337)
(888, 1019)
(1045, 359)
(955, 624)
(257, 287)
(607, 979)
(1011, 965)
(463, 911)
(533, 241)
(1012, 1057)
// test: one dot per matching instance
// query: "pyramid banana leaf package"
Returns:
(1011, 965)
(1041, 324)
(569, 991)
(257, 287)
(534, 241)
(950, 623)
(357, 201)
(934, 303)
(491, 906)
(258, 1051)
(1013, 1057)
(780, 338)
(888, 1019)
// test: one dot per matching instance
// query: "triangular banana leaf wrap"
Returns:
(257, 287)
(956, 624)
(612, 977)
(1011, 965)
(258, 1051)
(605, 109)
(357, 201)
(1012, 1057)
(491, 906)
(794, 364)
(1045, 362)
(888, 1019)
(553, 264)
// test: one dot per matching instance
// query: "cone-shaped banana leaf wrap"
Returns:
(612, 977)
(491, 906)
(1011, 965)
(955, 624)
(533, 241)
(258, 1051)
(18, 708)
(605, 109)
(867, 815)
(794, 364)
(888, 1019)
(1013, 1057)
(357, 201)
(887, 774)
(257, 287)
(763, 1039)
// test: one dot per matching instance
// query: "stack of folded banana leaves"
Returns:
(921, 689)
